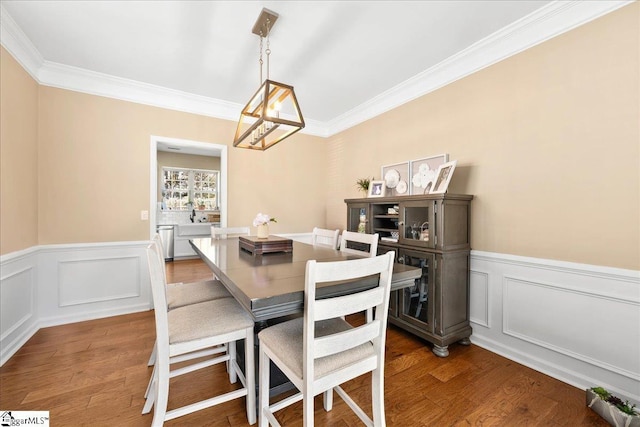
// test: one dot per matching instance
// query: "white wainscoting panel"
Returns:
(16, 286)
(58, 284)
(87, 281)
(18, 315)
(479, 299)
(564, 320)
(575, 322)
(75, 280)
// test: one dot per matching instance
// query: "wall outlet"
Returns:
(144, 215)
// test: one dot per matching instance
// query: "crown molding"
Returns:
(81, 80)
(547, 22)
(18, 44)
(94, 83)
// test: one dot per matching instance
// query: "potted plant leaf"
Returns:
(612, 408)
(362, 184)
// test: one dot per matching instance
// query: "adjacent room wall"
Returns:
(18, 156)
(547, 141)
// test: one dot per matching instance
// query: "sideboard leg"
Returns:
(440, 351)
(465, 341)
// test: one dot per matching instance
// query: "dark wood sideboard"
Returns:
(430, 232)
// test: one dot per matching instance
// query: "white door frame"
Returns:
(153, 175)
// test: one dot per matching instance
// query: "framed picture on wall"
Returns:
(443, 177)
(423, 173)
(376, 189)
(395, 179)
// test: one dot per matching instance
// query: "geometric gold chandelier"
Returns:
(273, 113)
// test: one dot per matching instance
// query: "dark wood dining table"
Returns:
(271, 286)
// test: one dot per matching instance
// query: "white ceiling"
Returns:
(348, 60)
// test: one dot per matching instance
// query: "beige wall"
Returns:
(18, 156)
(95, 181)
(547, 141)
(92, 179)
(188, 161)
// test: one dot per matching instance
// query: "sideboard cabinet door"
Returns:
(415, 305)
(356, 212)
(417, 224)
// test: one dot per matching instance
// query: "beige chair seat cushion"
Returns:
(207, 319)
(285, 340)
(181, 294)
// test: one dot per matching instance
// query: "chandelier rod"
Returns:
(268, 50)
(260, 59)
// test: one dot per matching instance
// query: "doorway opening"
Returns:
(184, 146)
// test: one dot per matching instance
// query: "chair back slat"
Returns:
(363, 239)
(335, 271)
(324, 237)
(348, 304)
(342, 341)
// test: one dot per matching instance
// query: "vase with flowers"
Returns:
(261, 221)
(362, 184)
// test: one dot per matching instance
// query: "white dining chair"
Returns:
(182, 331)
(156, 246)
(362, 241)
(183, 294)
(320, 350)
(226, 232)
(324, 237)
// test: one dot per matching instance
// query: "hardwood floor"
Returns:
(95, 373)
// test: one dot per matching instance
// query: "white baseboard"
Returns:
(575, 322)
(46, 322)
(10, 348)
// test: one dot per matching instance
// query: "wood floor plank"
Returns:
(95, 373)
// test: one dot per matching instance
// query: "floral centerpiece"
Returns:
(262, 222)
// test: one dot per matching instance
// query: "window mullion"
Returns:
(191, 186)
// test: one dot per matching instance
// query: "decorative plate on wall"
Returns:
(391, 178)
(402, 187)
